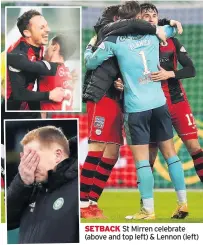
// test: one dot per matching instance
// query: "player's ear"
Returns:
(27, 33)
(56, 47)
(58, 155)
(115, 18)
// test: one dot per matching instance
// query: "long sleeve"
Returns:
(18, 196)
(188, 69)
(19, 89)
(170, 31)
(21, 62)
(104, 52)
(125, 27)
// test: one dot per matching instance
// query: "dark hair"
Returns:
(129, 10)
(111, 11)
(148, 6)
(67, 45)
(24, 19)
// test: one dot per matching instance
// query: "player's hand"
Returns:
(29, 161)
(43, 115)
(178, 25)
(161, 34)
(74, 76)
(118, 84)
(93, 41)
(57, 94)
(161, 75)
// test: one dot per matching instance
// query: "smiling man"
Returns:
(42, 200)
(35, 32)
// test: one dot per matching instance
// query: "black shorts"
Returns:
(144, 127)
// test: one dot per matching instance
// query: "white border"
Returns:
(5, 234)
(80, 59)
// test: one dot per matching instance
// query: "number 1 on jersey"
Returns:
(146, 71)
(190, 118)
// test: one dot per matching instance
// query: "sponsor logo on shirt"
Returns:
(63, 72)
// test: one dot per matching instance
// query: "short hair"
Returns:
(24, 20)
(111, 11)
(47, 135)
(66, 43)
(148, 6)
(129, 10)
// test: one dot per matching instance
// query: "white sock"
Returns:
(148, 204)
(93, 202)
(84, 204)
(182, 196)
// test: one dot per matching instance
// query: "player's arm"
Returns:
(175, 23)
(21, 93)
(132, 26)
(21, 62)
(169, 31)
(18, 196)
(188, 69)
(103, 52)
(19, 88)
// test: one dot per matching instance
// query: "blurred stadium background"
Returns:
(189, 13)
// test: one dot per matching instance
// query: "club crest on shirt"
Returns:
(58, 203)
(99, 122)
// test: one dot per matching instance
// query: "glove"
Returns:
(92, 42)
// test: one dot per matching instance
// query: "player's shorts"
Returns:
(183, 120)
(105, 121)
(154, 125)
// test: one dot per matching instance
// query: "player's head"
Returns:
(33, 26)
(50, 144)
(129, 10)
(111, 12)
(60, 46)
(149, 12)
(109, 15)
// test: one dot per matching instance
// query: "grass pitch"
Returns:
(118, 204)
(2, 207)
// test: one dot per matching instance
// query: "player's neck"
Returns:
(57, 59)
(28, 40)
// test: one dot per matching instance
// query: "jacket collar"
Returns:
(101, 22)
(65, 172)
